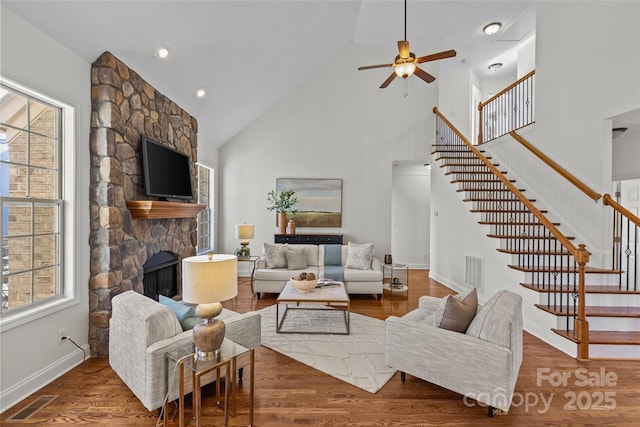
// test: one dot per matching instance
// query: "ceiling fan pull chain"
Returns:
(406, 88)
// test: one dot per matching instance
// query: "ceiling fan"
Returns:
(406, 62)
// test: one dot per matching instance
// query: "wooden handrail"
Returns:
(543, 219)
(556, 167)
(507, 89)
(608, 200)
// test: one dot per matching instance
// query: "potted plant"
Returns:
(282, 203)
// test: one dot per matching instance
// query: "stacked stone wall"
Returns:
(124, 107)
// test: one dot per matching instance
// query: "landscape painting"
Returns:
(319, 201)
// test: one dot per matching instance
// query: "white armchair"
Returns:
(482, 364)
(142, 330)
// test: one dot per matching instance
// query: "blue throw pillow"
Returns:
(186, 315)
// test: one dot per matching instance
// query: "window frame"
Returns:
(208, 209)
(66, 293)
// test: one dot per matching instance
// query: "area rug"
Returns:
(357, 358)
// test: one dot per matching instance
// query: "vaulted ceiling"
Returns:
(250, 54)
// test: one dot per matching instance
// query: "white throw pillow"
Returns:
(359, 256)
(276, 254)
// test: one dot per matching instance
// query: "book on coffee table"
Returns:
(327, 282)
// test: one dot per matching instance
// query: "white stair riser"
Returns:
(614, 323)
(571, 278)
(614, 351)
(611, 300)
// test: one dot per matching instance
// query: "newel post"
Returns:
(480, 106)
(581, 324)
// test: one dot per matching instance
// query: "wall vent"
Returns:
(474, 271)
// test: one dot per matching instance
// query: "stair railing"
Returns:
(625, 224)
(626, 230)
(558, 274)
(509, 109)
(556, 167)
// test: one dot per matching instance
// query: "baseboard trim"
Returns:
(20, 391)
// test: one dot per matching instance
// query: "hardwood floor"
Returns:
(290, 393)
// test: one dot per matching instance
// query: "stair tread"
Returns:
(589, 289)
(520, 237)
(595, 311)
(477, 163)
(487, 172)
(514, 223)
(505, 190)
(472, 156)
(455, 181)
(565, 269)
(533, 252)
(475, 199)
(605, 337)
(506, 210)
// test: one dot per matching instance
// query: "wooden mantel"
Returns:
(151, 209)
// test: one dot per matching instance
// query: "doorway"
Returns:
(410, 207)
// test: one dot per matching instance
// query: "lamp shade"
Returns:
(244, 231)
(406, 69)
(205, 281)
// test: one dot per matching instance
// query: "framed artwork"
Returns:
(319, 201)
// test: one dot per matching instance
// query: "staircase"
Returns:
(607, 318)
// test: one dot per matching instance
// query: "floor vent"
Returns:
(474, 271)
(33, 407)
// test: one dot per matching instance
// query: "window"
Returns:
(31, 198)
(205, 223)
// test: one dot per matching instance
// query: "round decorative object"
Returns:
(303, 286)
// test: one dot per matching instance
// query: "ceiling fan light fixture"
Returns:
(492, 28)
(405, 69)
(495, 67)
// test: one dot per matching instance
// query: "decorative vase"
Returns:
(387, 259)
(292, 227)
(282, 223)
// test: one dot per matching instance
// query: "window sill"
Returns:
(9, 321)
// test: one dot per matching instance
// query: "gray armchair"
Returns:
(481, 364)
(143, 330)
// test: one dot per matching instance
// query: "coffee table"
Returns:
(323, 299)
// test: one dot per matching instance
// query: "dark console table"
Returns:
(308, 239)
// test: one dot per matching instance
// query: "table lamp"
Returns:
(207, 280)
(244, 232)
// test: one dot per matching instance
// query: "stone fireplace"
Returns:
(124, 107)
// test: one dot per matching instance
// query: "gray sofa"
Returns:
(272, 280)
(482, 364)
(142, 330)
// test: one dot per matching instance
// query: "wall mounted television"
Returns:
(167, 173)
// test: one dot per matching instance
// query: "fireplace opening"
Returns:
(160, 275)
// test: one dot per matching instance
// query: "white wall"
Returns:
(337, 124)
(31, 356)
(410, 214)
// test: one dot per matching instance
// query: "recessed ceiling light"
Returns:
(492, 28)
(200, 92)
(496, 66)
(161, 52)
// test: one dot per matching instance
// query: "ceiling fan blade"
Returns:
(369, 67)
(388, 81)
(436, 56)
(424, 75)
(403, 48)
